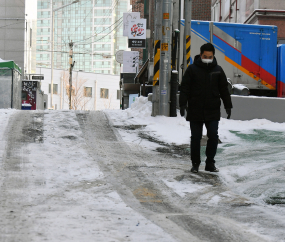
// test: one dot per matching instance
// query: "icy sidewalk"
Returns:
(68, 176)
(53, 190)
(251, 156)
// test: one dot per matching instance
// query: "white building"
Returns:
(91, 91)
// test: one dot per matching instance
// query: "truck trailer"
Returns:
(247, 53)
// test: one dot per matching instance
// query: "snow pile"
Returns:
(166, 129)
(177, 129)
(239, 86)
(140, 108)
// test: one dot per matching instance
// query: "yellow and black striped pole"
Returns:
(156, 63)
(188, 49)
(187, 34)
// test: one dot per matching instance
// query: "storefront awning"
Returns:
(141, 72)
(9, 64)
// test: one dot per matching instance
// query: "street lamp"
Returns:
(52, 43)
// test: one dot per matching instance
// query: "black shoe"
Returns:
(211, 167)
(195, 169)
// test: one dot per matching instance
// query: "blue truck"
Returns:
(248, 54)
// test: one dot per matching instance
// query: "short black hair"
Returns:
(207, 47)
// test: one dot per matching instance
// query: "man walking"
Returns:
(203, 86)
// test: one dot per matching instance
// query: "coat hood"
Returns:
(198, 62)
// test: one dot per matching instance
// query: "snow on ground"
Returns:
(64, 195)
(251, 157)
(182, 188)
(4, 118)
(5, 114)
(92, 200)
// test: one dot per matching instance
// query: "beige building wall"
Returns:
(12, 34)
(17, 26)
(240, 11)
(272, 4)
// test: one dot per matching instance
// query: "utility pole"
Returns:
(52, 42)
(181, 28)
(156, 56)
(187, 33)
(176, 33)
(165, 60)
(71, 62)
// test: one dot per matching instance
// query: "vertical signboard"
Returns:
(127, 17)
(137, 33)
(130, 61)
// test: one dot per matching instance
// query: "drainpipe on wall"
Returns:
(236, 11)
(220, 18)
(95, 96)
(61, 92)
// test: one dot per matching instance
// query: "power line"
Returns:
(99, 32)
(88, 43)
(12, 24)
(95, 34)
(104, 29)
(119, 25)
(79, 53)
(110, 12)
(82, 21)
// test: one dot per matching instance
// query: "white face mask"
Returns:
(207, 61)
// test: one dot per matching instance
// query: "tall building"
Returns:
(95, 28)
(18, 33)
(262, 12)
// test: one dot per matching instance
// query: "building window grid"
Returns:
(101, 5)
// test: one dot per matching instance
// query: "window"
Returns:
(118, 94)
(31, 37)
(104, 93)
(24, 96)
(55, 90)
(100, 21)
(101, 64)
(102, 47)
(87, 91)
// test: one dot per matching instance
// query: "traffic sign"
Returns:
(119, 56)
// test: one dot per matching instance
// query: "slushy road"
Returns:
(68, 176)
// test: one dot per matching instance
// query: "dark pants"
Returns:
(196, 136)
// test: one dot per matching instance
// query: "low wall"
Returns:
(249, 107)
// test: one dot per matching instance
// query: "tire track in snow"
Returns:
(22, 130)
(129, 172)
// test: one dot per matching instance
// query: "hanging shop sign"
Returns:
(127, 17)
(130, 61)
(137, 33)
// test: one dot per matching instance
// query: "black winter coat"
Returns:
(203, 86)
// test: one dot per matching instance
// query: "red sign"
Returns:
(137, 30)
